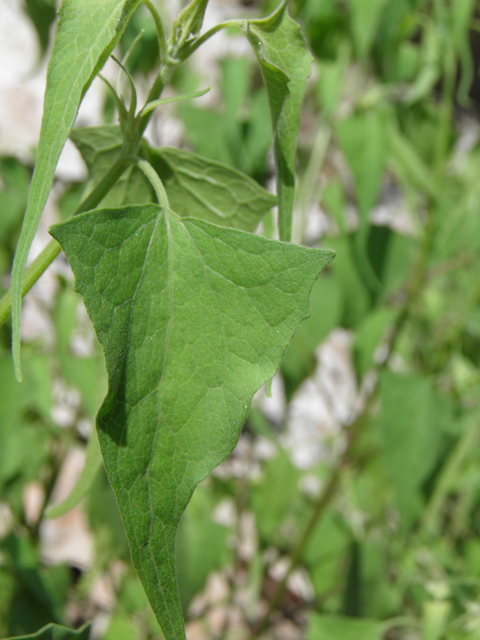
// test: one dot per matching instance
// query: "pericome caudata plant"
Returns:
(193, 310)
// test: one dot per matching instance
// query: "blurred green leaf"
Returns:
(368, 335)
(299, 362)
(430, 67)
(93, 463)
(39, 595)
(274, 496)
(356, 299)
(462, 14)
(365, 18)
(331, 82)
(120, 628)
(325, 553)
(42, 13)
(411, 420)
(14, 180)
(435, 618)
(363, 139)
(87, 373)
(327, 627)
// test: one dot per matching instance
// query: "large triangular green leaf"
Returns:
(86, 34)
(193, 319)
(285, 62)
(57, 632)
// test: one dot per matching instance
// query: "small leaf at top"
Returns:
(190, 20)
(285, 62)
(86, 33)
(193, 318)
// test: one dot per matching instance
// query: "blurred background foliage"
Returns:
(388, 176)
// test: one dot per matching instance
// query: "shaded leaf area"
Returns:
(285, 61)
(195, 186)
(222, 195)
(193, 319)
(56, 632)
(86, 34)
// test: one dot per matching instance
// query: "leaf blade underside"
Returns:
(193, 319)
(215, 192)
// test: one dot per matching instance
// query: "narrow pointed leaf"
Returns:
(57, 632)
(285, 61)
(193, 319)
(86, 33)
(185, 96)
